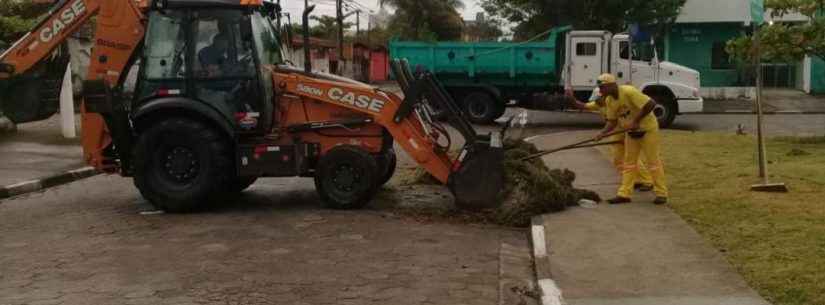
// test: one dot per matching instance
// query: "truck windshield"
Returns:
(265, 41)
(641, 51)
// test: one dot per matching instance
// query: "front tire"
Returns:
(346, 177)
(387, 163)
(180, 164)
(665, 110)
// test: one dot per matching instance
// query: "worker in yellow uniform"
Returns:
(630, 109)
(597, 104)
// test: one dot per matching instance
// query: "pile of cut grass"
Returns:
(531, 188)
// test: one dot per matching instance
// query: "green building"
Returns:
(698, 40)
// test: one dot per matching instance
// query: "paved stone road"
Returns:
(87, 243)
(37, 150)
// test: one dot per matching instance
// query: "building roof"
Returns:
(706, 11)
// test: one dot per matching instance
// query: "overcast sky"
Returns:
(327, 7)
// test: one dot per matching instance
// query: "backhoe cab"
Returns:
(215, 107)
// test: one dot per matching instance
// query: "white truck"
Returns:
(486, 77)
(591, 53)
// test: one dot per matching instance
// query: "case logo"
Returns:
(63, 21)
(360, 101)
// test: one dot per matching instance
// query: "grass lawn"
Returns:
(776, 241)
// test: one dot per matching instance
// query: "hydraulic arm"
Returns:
(119, 30)
(475, 174)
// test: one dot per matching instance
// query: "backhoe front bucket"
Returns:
(477, 175)
(478, 179)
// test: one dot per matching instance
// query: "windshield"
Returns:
(266, 41)
(641, 51)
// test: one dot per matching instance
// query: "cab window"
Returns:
(165, 57)
(224, 64)
(221, 48)
(266, 41)
(641, 51)
(165, 53)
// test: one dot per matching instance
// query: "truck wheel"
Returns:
(346, 177)
(665, 110)
(482, 108)
(386, 166)
(180, 164)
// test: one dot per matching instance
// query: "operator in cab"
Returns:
(598, 104)
(630, 109)
(213, 57)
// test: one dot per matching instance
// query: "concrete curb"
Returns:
(550, 292)
(46, 182)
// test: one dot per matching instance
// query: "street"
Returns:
(96, 241)
(88, 243)
(775, 125)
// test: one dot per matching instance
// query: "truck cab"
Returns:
(591, 53)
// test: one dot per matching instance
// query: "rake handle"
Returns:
(575, 145)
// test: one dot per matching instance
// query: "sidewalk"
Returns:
(37, 150)
(635, 253)
(776, 101)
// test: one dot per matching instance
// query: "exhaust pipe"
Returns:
(307, 60)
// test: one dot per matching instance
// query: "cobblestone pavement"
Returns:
(89, 243)
(37, 150)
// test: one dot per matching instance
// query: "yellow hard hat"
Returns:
(606, 78)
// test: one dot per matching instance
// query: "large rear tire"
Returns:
(346, 177)
(182, 164)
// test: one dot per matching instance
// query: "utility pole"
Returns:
(278, 14)
(357, 24)
(340, 10)
(305, 33)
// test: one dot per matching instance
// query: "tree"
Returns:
(426, 19)
(785, 42)
(327, 27)
(484, 30)
(17, 18)
(536, 16)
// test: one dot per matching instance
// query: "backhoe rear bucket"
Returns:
(478, 181)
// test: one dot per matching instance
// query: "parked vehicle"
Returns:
(486, 77)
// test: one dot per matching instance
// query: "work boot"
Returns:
(660, 200)
(618, 200)
(643, 187)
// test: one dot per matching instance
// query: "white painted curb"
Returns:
(550, 292)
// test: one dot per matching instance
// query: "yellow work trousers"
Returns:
(649, 146)
(618, 160)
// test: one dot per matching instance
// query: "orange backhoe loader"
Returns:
(216, 106)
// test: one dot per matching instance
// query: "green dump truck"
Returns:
(486, 77)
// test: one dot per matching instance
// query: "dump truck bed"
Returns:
(502, 64)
